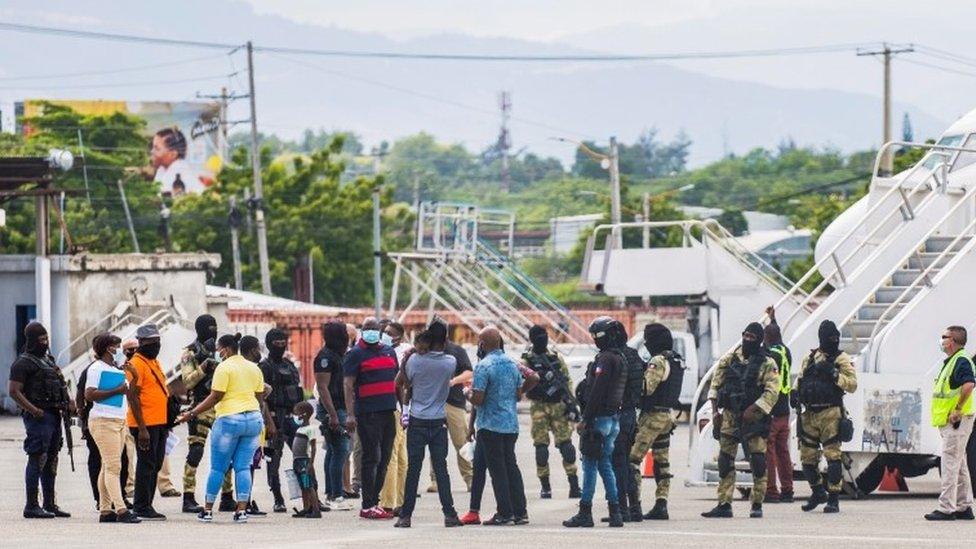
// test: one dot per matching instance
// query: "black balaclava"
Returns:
(772, 335)
(829, 337)
(206, 327)
(276, 352)
(619, 335)
(750, 348)
(33, 333)
(539, 338)
(657, 338)
(149, 348)
(250, 347)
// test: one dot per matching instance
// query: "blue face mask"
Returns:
(119, 357)
(298, 420)
(371, 337)
(386, 339)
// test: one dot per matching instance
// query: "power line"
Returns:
(112, 71)
(939, 67)
(119, 84)
(587, 58)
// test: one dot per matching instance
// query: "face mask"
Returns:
(371, 337)
(540, 344)
(119, 357)
(298, 420)
(150, 350)
(750, 347)
(386, 339)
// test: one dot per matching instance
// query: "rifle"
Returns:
(559, 383)
(66, 421)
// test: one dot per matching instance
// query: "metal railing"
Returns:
(902, 207)
(710, 230)
(925, 276)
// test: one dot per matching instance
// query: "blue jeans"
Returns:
(609, 427)
(336, 454)
(233, 440)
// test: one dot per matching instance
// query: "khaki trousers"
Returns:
(957, 490)
(109, 436)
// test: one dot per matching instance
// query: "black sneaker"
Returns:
(107, 517)
(452, 522)
(254, 511)
(402, 522)
(786, 497)
(151, 514)
(521, 520)
(128, 518)
(280, 508)
(756, 511)
(240, 517)
(964, 515)
(498, 521)
(57, 512)
(205, 516)
(939, 515)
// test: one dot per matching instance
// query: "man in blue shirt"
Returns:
(498, 385)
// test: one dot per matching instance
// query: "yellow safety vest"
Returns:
(784, 369)
(945, 399)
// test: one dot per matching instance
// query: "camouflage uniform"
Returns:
(818, 429)
(198, 428)
(654, 428)
(729, 440)
(551, 417)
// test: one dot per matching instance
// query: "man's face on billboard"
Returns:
(160, 155)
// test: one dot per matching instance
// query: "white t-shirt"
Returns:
(166, 175)
(114, 406)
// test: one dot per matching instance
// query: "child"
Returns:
(303, 450)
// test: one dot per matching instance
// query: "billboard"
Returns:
(183, 138)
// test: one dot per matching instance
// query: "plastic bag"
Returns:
(467, 451)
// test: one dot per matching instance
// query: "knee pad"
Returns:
(834, 472)
(757, 462)
(726, 464)
(541, 455)
(568, 451)
(194, 455)
(811, 473)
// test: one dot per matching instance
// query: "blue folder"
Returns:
(111, 380)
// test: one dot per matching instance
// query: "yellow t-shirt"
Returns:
(239, 379)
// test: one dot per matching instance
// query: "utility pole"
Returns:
(505, 139)
(234, 219)
(887, 160)
(646, 236)
(615, 192)
(377, 253)
(128, 217)
(258, 189)
(164, 215)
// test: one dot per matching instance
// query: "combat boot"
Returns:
(833, 503)
(574, 489)
(818, 497)
(756, 511)
(227, 503)
(722, 510)
(583, 518)
(616, 519)
(190, 504)
(546, 492)
(635, 511)
(659, 511)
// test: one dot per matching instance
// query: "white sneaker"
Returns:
(339, 504)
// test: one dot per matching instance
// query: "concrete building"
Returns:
(78, 296)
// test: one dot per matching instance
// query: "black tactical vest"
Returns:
(286, 384)
(816, 389)
(741, 385)
(668, 392)
(45, 389)
(550, 386)
(635, 367)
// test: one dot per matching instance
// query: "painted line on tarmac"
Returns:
(811, 537)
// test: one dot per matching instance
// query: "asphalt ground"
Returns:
(888, 520)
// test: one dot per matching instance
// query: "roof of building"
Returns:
(244, 300)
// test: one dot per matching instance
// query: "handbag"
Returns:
(173, 405)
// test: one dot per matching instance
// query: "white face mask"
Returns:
(119, 357)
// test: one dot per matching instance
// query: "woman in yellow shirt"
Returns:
(237, 395)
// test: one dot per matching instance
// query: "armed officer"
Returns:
(827, 373)
(286, 391)
(197, 365)
(744, 388)
(628, 488)
(38, 387)
(661, 388)
(553, 410)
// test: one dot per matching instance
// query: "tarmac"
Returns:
(889, 520)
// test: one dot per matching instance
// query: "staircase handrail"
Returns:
(924, 275)
(831, 256)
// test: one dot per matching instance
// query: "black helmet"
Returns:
(604, 332)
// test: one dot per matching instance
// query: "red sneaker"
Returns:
(471, 517)
(381, 513)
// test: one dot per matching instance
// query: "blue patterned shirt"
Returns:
(499, 378)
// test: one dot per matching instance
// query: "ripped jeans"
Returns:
(233, 440)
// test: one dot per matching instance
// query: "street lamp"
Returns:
(611, 163)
